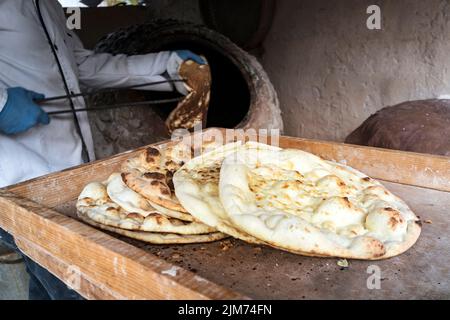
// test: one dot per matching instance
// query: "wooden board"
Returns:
(41, 215)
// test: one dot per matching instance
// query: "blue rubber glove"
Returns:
(189, 55)
(177, 58)
(20, 112)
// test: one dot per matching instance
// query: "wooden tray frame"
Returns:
(100, 266)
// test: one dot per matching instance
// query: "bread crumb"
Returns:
(342, 263)
(226, 245)
(176, 256)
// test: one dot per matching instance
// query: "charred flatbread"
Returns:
(194, 107)
(150, 174)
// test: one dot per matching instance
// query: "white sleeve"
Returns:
(103, 70)
(3, 98)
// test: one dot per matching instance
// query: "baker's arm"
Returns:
(3, 98)
(100, 70)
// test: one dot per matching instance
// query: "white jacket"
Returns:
(26, 60)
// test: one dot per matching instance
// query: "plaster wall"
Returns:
(331, 72)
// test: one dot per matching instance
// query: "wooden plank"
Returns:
(68, 274)
(122, 270)
(421, 170)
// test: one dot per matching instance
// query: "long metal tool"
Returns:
(115, 106)
(106, 90)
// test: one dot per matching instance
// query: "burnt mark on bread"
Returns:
(170, 185)
(347, 202)
(155, 176)
(151, 153)
(380, 249)
(170, 163)
(169, 174)
(135, 216)
(395, 218)
(163, 188)
(124, 177)
(158, 217)
(165, 191)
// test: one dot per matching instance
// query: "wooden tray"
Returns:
(40, 213)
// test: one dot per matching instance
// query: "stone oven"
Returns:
(242, 95)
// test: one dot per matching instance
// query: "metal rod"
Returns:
(115, 106)
(87, 94)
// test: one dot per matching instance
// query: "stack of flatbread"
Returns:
(295, 201)
(284, 198)
(139, 201)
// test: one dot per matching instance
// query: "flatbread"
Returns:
(194, 107)
(126, 198)
(156, 238)
(131, 201)
(172, 213)
(298, 202)
(197, 188)
(95, 203)
(150, 173)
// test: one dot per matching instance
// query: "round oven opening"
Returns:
(241, 93)
(230, 92)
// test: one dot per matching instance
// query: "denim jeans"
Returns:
(43, 285)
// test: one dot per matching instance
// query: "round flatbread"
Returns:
(126, 198)
(154, 237)
(150, 173)
(298, 202)
(197, 188)
(95, 203)
(131, 201)
(194, 107)
(172, 213)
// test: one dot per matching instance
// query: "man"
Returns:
(40, 57)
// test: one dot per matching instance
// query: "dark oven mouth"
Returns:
(230, 93)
